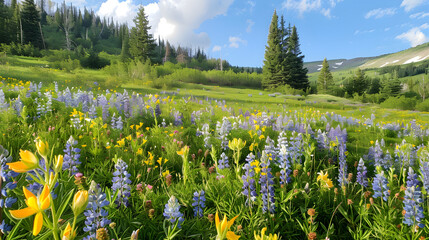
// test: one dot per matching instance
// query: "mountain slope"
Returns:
(415, 54)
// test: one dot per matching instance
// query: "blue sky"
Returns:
(238, 29)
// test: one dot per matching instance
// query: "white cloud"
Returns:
(419, 15)
(326, 12)
(333, 3)
(411, 4)
(302, 6)
(250, 24)
(387, 29)
(178, 20)
(379, 13)
(364, 31)
(216, 48)
(415, 36)
(122, 12)
(234, 42)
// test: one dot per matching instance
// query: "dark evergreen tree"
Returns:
(30, 24)
(359, 82)
(295, 62)
(272, 69)
(125, 52)
(325, 81)
(141, 42)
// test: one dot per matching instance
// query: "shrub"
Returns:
(400, 103)
(423, 106)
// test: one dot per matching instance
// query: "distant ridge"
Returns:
(415, 54)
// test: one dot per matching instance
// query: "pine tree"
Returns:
(359, 82)
(394, 85)
(272, 69)
(4, 18)
(125, 52)
(295, 62)
(325, 81)
(30, 24)
(142, 43)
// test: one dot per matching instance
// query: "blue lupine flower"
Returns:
(113, 121)
(172, 211)
(121, 183)
(412, 180)
(424, 169)
(71, 156)
(96, 215)
(270, 148)
(5, 228)
(342, 174)
(177, 118)
(222, 130)
(361, 174)
(223, 161)
(17, 105)
(157, 110)
(248, 180)
(199, 203)
(284, 165)
(5, 200)
(267, 185)
(380, 185)
(119, 123)
(3, 103)
(412, 206)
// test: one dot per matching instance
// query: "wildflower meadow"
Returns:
(121, 164)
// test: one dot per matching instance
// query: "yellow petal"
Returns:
(27, 193)
(46, 203)
(230, 222)
(217, 220)
(224, 224)
(28, 158)
(45, 193)
(38, 223)
(18, 167)
(22, 213)
(231, 236)
(32, 202)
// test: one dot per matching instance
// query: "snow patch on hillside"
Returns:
(415, 59)
(339, 63)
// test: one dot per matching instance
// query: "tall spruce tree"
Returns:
(272, 69)
(142, 44)
(298, 78)
(30, 24)
(325, 81)
(125, 52)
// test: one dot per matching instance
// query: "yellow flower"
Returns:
(42, 148)
(323, 178)
(236, 144)
(139, 151)
(28, 162)
(371, 142)
(35, 205)
(58, 163)
(83, 145)
(261, 137)
(80, 200)
(108, 147)
(149, 160)
(129, 137)
(68, 233)
(223, 227)
(165, 173)
(147, 128)
(184, 151)
(132, 126)
(121, 143)
(263, 237)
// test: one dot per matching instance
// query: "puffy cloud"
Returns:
(415, 36)
(234, 42)
(380, 12)
(302, 6)
(216, 48)
(411, 4)
(250, 24)
(122, 12)
(178, 20)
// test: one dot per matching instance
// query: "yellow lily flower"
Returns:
(264, 237)
(223, 227)
(42, 148)
(68, 233)
(80, 200)
(58, 162)
(28, 162)
(323, 178)
(36, 205)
